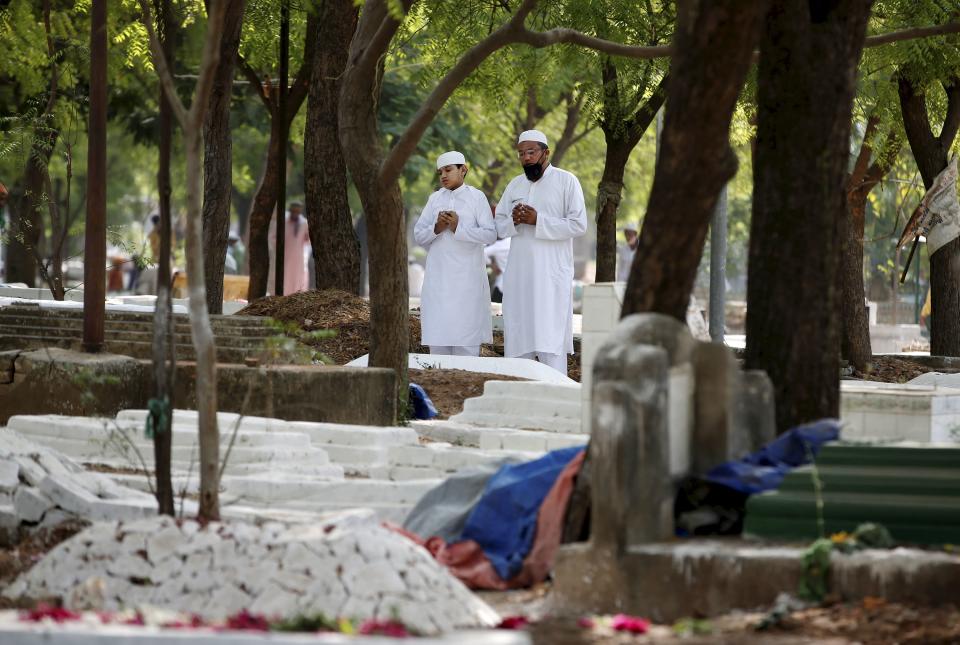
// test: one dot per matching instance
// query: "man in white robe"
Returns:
(542, 211)
(454, 226)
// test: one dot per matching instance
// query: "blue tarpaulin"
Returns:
(422, 405)
(504, 521)
(766, 468)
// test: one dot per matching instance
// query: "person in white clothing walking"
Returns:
(542, 210)
(454, 226)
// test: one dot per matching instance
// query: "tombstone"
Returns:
(663, 406)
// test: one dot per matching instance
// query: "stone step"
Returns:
(319, 433)
(141, 350)
(184, 457)
(145, 336)
(531, 440)
(252, 326)
(181, 327)
(356, 492)
(564, 425)
(99, 430)
(553, 407)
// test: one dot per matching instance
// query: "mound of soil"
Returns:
(891, 369)
(345, 313)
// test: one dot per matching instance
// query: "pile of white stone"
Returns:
(40, 487)
(344, 567)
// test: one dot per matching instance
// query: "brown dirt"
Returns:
(890, 369)
(872, 621)
(448, 388)
(23, 555)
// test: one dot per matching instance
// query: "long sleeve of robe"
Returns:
(538, 281)
(455, 301)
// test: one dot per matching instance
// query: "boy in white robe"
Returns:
(454, 226)
(542, 210)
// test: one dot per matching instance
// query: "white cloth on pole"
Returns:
(538, 282)
(455, 300)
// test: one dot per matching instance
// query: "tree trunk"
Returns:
(609, 193)
(53, 272)
(363, 151)
(622, 135)
(25, 244)
(713, 47)
(95, 226)
(218, 159)
(931, 154)
(202, 334)
(799, 201)
(336, 249)
(264, 202)
(164, 350)
(855, 339)
(855, 324)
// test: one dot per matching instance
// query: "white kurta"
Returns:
(455, 301)
(538, 282)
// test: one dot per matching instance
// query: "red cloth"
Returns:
(467, 561)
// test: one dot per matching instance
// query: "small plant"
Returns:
(290, 344)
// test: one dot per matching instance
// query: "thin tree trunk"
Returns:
(855, 323)
(191, 122)
(609, 193)
(95, 227)
(713, 48)
(855, 339)
(202, 334)
(218, 159)
(622, 136)
(931, 154)
(793, 329)
(25, 246)
(164, 351)
(264, 202)
(363, 151)
(336, 249)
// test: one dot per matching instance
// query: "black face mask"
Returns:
(534, 171)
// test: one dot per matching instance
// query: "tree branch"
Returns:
(916, 123)
(884, 161)
(51, 52)
(380, 41)
(160, 64)
(208, 62)
(951, 123)
(912, 34)
(254, 81)
(863, 157)
(573, 37)
(647, 111)
(407, 142)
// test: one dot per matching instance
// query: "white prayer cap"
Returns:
(451, 158)
(533, 135)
